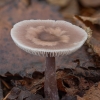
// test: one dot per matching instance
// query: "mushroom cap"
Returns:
(43, 37)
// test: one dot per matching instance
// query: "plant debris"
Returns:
(90, 3)
(94, 38)
(18, 94)
(92, 94)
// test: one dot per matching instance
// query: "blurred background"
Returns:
(50, 9)
(13, 11)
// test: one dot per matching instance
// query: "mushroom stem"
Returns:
(50, 87)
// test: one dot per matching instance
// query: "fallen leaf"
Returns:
(71, 80)
(90, 3)
(84, 84)
(92, 94)
(60, 85)
(87, 11)
(18, 94)
(87, 72)
(94, 36)
(68, 84)
(32, 85)
(80, 98)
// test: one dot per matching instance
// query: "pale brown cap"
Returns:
(43, 37)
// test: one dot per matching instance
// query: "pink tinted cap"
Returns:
(43, 37)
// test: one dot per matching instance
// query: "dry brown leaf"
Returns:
(71, 80)
(18, 94)
(90, 3)
(32, 85)
(68, 84)
(80, 98)
(84, 84)
(94, 38)
(60, 85)
(92, 94)
(71, 91)
(37, 83)
(90, 20)
(87, 11)
(61, 3)
(86, 26)
(87, 72)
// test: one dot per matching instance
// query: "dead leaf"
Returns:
(92, 94)
(89, 21)
(32, 85)
(94, 38)
(72, 91)
(87, 72)
(84, 84)
(71, 80)
(87, 11)
(90, 3)
(60, 85)
(80, 98)
(68, 84)
(18, 94)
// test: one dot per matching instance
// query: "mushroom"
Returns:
(48, 38)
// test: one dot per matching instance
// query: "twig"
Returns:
(5, 84)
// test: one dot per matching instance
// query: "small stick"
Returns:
(5, 84)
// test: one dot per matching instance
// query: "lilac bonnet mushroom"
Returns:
(48, 38)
